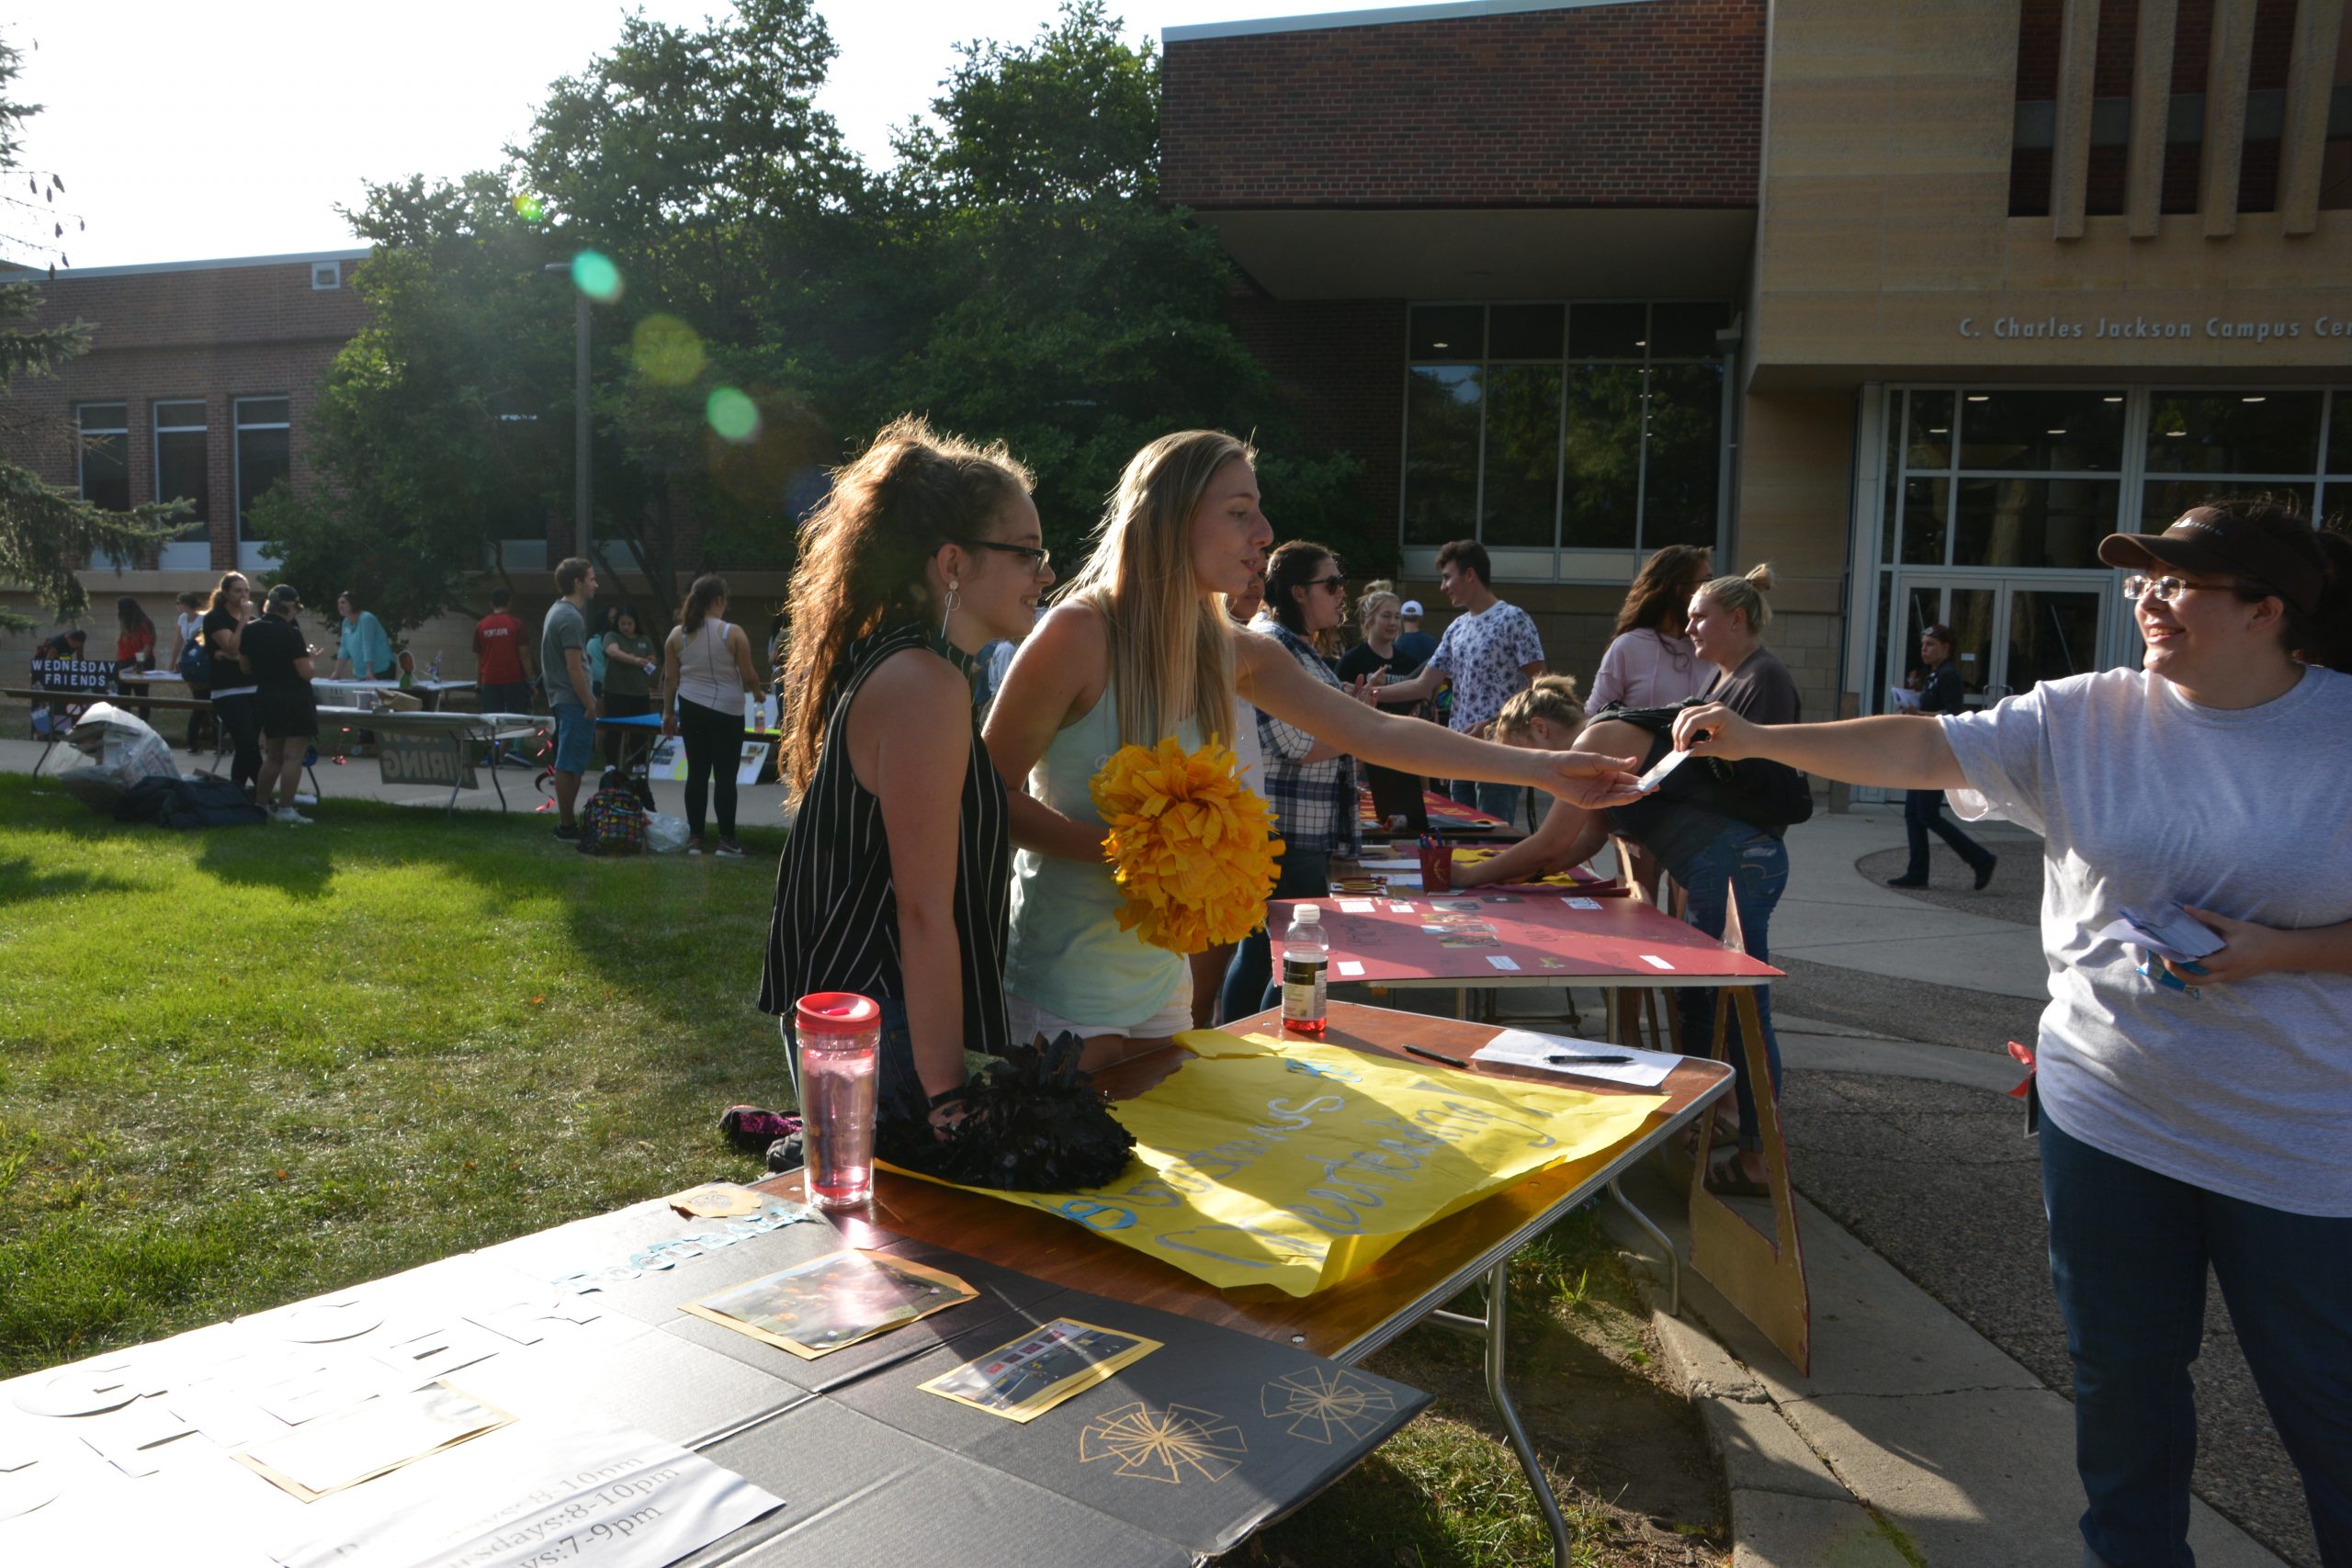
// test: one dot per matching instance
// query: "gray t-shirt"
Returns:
(2143, 796)
(565, 627)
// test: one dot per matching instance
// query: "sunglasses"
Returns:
(1335, 582)
(1037, 556)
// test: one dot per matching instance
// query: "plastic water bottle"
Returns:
(839, 1035)
(1307, 961)
(433, 674)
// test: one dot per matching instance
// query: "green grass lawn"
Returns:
(244, 1067)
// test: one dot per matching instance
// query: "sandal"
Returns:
(1728, 1180)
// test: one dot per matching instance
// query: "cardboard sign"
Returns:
(425, 760)
(1276, 1162)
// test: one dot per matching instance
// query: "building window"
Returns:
(1594, 426)
(264, 454)
(182, 463)
(2204, 444)
(102, 454)
(2019, 478)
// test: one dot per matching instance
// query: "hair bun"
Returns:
(1760, 575)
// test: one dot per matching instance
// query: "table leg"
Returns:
(1666, 1248)
(457, 776)
(498, 755)
(1497, 1306)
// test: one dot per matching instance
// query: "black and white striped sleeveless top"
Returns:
(836, 922)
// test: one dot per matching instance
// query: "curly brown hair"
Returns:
(862, 559)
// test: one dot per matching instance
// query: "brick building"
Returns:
(1914, 299)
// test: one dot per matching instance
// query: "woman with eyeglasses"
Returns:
(1310, 783)
(1140, 650)
(896, 881)
(2194, 1115)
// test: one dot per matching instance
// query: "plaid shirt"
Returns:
(1314, 803)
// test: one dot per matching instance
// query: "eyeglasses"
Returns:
(2165, 589)
(1335, 582)
(1037, 556)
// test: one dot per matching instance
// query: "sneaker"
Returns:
(1906, 880)
(751, 1130)
(729, 847)
(1985, 871)
(291, 817)
(784, 1155)
(569, 832)
(694, 846)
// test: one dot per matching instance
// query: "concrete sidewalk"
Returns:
(1915, 1440)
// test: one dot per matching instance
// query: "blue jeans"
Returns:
(1249, 974)
(1495, 799)
(2129, 1250)
(1923, 813)
(1749, 868)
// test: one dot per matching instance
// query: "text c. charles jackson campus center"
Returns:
(1915, 298)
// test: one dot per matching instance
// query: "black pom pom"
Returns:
(1033, 1121)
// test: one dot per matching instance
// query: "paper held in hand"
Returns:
(1525, 1048)
(1657, 775)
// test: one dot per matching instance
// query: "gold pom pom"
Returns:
(1191, 845)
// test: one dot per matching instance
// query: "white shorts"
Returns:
(1029, 1021)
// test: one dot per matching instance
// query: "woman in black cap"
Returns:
(2197, 1109)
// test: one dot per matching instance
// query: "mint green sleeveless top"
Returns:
(1068, 955)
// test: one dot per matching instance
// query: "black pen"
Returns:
(1556, 1061)
(1440, 1057)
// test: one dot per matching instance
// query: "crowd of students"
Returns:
(950, 866)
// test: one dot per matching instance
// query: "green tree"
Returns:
(1054, 302)
(48, 534)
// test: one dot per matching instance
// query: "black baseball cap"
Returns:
(2262, 544)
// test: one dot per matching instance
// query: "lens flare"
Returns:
(666, 349)
(733, 415)
(593, 274)
(530, 207)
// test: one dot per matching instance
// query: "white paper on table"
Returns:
(1350, 967)
(1502, 961)
(1355, 905)
(1525, 1048)
(380, 1435)
(1400, 907)
(587, 1494)
(1655, 961)
(1581, 903)
(1390, 864)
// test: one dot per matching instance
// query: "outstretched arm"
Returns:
(1272, 679)
(1891, 751)
(1566, 836)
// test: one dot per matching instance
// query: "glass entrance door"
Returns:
(2010, 633)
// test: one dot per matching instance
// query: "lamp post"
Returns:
(582, 486)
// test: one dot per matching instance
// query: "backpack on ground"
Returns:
(611, 823)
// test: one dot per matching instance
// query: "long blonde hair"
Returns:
(1171, 646)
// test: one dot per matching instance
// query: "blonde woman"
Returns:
(1140, 649)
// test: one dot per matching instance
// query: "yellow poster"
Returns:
(1291, 1165)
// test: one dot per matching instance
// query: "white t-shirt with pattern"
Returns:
(1485, 656)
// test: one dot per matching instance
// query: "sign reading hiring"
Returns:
(425, 760)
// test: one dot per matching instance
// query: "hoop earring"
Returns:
(955, 597)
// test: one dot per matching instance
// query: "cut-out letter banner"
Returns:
(1293, 1165)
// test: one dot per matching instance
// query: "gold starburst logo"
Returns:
(1168, 1445)
(1317, 1401)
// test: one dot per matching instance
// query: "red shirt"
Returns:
(498, 649)
(133, 646)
